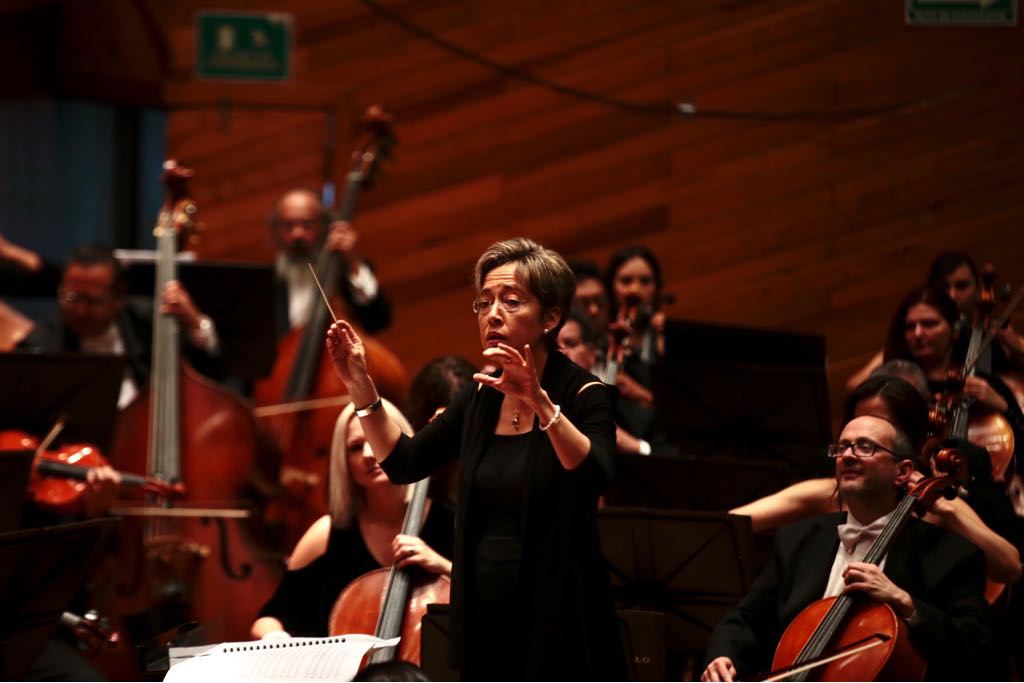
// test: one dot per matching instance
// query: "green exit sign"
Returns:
(243, 45)
(961, 12)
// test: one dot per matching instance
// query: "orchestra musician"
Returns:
(933, 579)
(955, 273)
(530, 595)
(591, 299)
(984, 517)
(301, 227)
(96, 317)
(360, 534)
(925, 329)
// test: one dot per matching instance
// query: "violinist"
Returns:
(360, 534)
(535, 443)
(933, 580)
(955, 273)
(579, 342)
(925, 329)
(301, 227)
(96, 317)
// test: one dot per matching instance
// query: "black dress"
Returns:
(304, 598)
(561, 609)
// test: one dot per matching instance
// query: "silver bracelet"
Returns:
(370, 409)
(554, 419)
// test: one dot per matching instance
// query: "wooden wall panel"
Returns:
(810, 224)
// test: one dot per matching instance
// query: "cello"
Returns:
(390, 602)
(845, 638)
(184, 559)
(299, 401)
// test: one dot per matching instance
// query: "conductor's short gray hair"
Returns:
(544, 272)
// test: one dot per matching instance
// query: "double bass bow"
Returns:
(298, 403)
(847, 638)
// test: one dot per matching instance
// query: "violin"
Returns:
(951, 414)
(846, 638)
(58, 480)
(392, 601)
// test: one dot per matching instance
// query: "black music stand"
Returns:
(743, 393)
(15, 470)
(40, 572)
(693, 567)
(36, 389)
(239, 297)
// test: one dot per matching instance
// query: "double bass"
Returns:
(197, 558)
(299, 402)
(847, 638)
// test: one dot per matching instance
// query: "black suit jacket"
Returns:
(944, 574)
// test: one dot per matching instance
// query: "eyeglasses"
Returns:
(69, 298)
(510, 303)
(861, 448)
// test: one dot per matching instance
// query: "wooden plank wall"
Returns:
(814, 224)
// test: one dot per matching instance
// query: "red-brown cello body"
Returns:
(390, 602)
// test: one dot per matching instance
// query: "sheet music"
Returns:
(292, 659)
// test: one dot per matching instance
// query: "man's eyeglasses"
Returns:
(69, 298)
(510, 303)
(862, 448)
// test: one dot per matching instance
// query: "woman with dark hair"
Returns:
(536, 447)
(955, 273)
(926, 329)
(635, 283)
(435, 386)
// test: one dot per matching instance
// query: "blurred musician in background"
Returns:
(955, 273)
(591, 299)
(579, 342)
(95, 317)
(301, 227)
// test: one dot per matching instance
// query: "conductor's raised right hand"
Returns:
(349, 357)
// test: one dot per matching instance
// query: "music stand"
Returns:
(15, 470)
(40, 572)
(693, 567)
(239, 297)
(36, 389)
(743, 393)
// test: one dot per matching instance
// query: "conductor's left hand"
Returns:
(518, 376)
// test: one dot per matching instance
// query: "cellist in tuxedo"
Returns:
(933, 580)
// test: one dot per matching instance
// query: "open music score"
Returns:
(292, 659)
